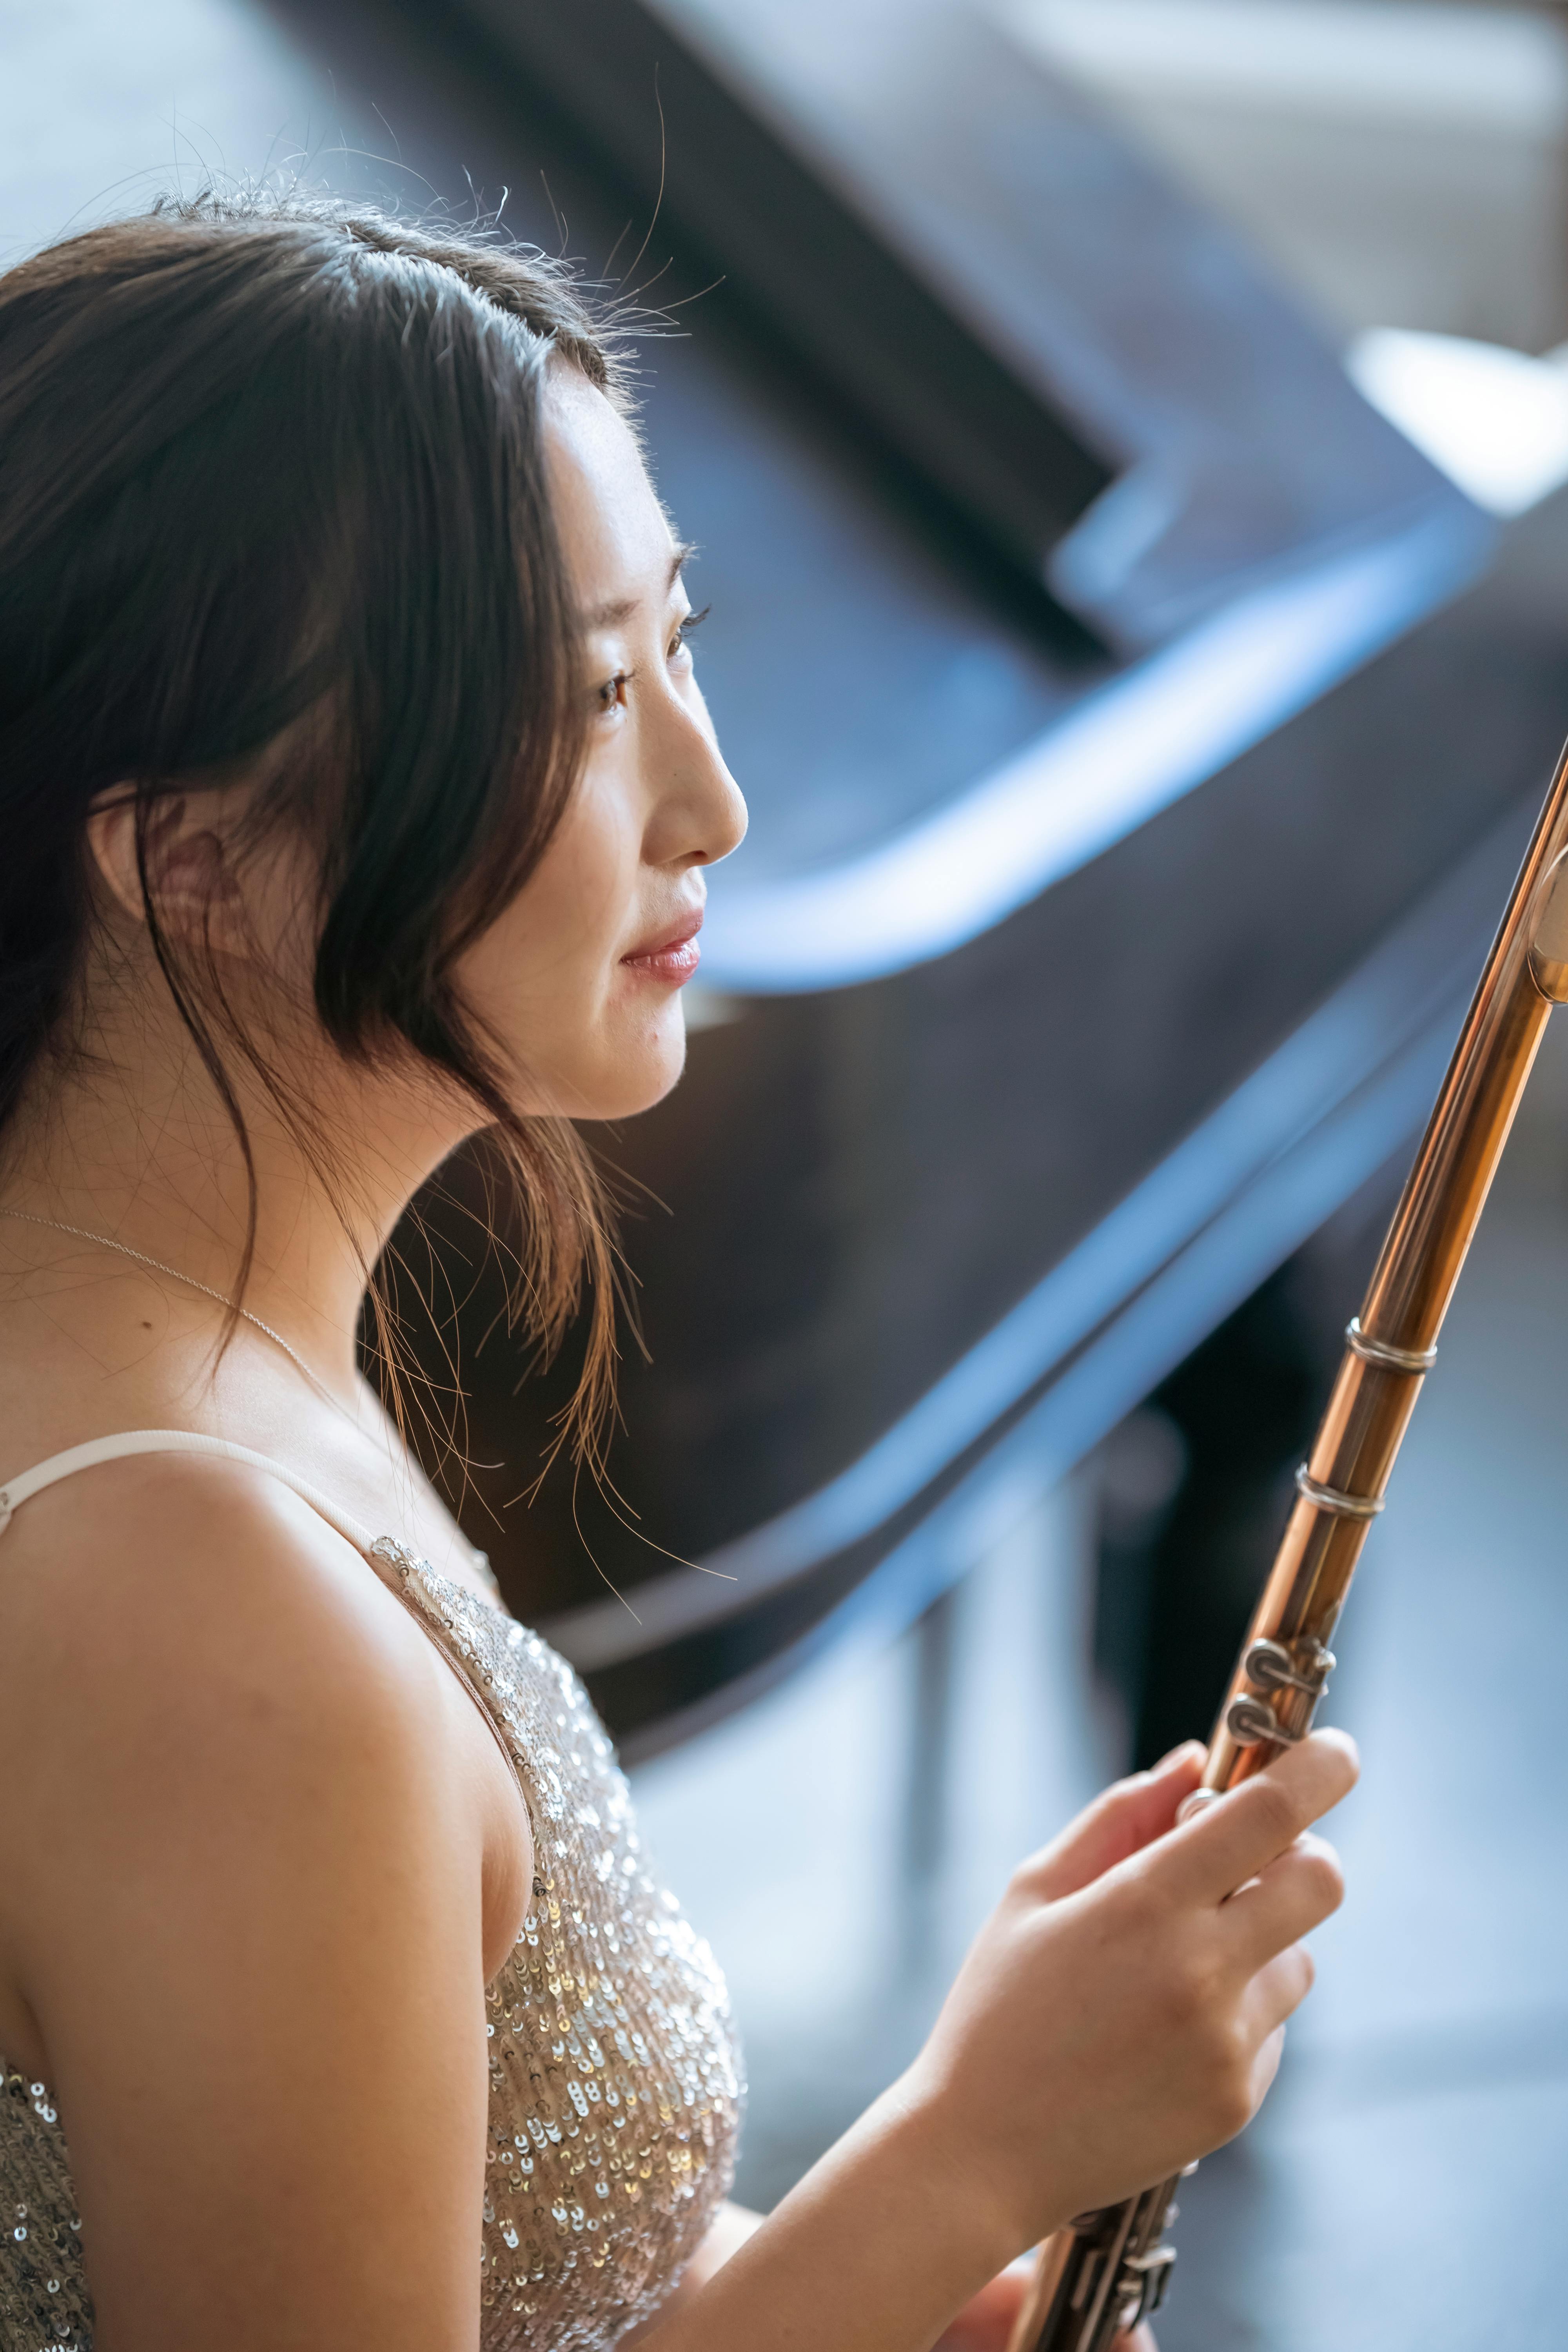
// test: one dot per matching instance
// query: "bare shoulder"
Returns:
(178, 1592)
(190, 1648)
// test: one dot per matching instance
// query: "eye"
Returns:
(612, 694)
(688, 622)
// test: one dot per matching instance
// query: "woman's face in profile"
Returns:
(580, 978)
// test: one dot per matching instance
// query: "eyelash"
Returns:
(609, 694)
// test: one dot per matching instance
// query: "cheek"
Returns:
(581, 1035)
(564, 932)
(535, 979)
(546, 978)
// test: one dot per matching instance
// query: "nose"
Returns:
(698, 814)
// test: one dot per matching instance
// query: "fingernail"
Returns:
(1182, 1748)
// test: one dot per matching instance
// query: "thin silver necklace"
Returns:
(107, 1241)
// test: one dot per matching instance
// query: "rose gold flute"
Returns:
(1108, 2270)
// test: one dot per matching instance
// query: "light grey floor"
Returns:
(1404, 2185)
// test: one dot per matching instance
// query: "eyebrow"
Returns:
(621, 608)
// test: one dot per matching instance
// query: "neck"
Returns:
(155, 1164)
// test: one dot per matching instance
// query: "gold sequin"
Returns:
(615, 2087)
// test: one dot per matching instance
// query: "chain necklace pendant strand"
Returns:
(156, 1266)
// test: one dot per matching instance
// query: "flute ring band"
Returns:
(1330, 1499)
(1384, 1351)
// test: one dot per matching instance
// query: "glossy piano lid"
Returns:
(1104, 381)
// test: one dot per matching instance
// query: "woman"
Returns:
(356, 795)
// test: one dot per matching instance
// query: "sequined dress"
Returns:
(615, 2084)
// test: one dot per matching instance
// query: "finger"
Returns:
(1285, 1902)
(1128, 1816)
(1266, 2066)
(1232, 1841)
(1278, 1991)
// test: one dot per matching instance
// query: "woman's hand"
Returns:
(1119, 2014)
(987, 2323)
(1122, 2011)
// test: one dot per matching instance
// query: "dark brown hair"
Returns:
(271, 475)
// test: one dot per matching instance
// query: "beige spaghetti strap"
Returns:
(20, 1490)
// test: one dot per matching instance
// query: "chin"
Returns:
(643, 1081)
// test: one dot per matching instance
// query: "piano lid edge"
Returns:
(1130, 748)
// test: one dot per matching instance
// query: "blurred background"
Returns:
(1127, 440)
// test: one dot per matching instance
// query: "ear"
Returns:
(189, 878)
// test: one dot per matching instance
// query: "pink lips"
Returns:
(671, 958)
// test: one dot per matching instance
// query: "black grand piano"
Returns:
(1139, 737)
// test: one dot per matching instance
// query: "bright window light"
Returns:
(1391, 59)
(1496, 421)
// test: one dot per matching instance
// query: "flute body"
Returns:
(1109, 2269)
